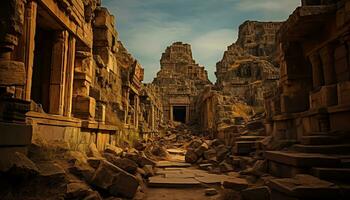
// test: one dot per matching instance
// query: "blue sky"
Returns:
(147, 27)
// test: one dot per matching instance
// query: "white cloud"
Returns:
(267, 6)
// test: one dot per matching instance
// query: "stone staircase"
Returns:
(245, 145)
(325, 156)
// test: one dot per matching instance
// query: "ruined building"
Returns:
(311, 107)
(65, 76)
(247, 68)
(180, 80)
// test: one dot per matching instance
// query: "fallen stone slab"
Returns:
(306, 187)
(77, 190)
(160, 181)
(176, 151)
(191, 156)
(18, 164)
(258, 193)
(115, 180)
(237, 184)
(212, 178)
(169, 164)
(51, 170)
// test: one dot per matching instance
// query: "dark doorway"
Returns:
(179, 113)
(40, 92)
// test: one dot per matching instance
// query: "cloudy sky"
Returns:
(147, 27)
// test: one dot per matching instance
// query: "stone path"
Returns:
(179, 180)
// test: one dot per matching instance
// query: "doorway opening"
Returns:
(40, 92)
(179, 113)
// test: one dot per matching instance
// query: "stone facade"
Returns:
(311, 106)
(246, 76)
(248, 68)
(65, 76)
(180, 80)
(259, 39)
(221, 116)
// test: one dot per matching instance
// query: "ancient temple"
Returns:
(180, 80)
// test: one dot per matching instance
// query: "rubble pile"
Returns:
(217, 156)
(52, 171)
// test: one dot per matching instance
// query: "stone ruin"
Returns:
(63, 70)
(77, 122)
(248, 68)
(180, 80)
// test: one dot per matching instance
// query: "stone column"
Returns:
(327, 59)
(58, 73)
(12, 73)
(84, 106)
(29, 41)
(317, 73)
(69, 78)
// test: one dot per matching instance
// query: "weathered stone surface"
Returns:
(211, 192)
(51, 171)
(94, 162)
(305, 186)
(159, 181)
(259, 193)
(94, 151)
(236, 184)
(82, 170)
(191, 156)
(113, 150)
(221, 152)
(78, 190)
(115, 180)
(126, 164)
(18, 164)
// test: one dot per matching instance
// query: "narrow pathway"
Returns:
(177, 180)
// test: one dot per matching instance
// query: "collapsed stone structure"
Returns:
(246, 76)
(65, 76)
(247, 68)
(180, 80)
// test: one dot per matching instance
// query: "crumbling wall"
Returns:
(248, 69)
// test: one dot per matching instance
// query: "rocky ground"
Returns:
(179, 164)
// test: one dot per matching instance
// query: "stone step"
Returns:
(332, 174)
(342, 149)
(320, 140)
(305, 187)
(173, 182)
(306, 160)
(244, 147)
(250, 138)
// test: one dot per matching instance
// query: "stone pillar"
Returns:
(29, 41)
(136, 110)
(12, 73)
(84, 106)
(69, 77)
(58, 73)
(317, 72)
(327, 59)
